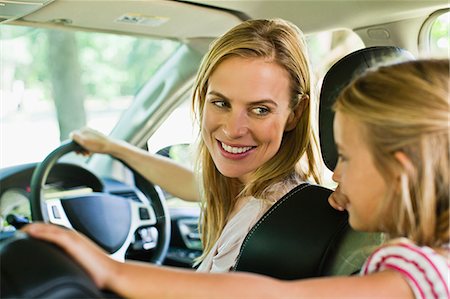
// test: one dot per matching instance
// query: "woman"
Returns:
(252, 100)
(393, 173)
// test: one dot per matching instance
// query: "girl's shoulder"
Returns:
(425, 270)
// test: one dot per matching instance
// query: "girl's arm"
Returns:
(152, 282)
(139, 280)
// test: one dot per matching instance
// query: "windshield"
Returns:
(53, 82)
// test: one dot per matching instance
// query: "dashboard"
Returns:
(66, 180)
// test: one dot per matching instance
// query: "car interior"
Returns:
(131, 218)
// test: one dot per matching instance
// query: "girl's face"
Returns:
(245, 114)
(361, 185)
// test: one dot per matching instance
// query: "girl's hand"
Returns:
(338, 200)
(91, 257)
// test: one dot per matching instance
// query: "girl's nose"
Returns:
(236, 124)
(337, 173)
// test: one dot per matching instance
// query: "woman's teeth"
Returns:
(235, 150)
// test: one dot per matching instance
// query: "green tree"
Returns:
(65, 75)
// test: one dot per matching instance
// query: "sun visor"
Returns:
(11, 10)
(168, 19)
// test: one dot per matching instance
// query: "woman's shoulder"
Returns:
(425, 270)
(277, 190)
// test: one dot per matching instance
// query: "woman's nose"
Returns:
(236, 124)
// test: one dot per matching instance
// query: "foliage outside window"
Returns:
(53, 82)
(440, 36)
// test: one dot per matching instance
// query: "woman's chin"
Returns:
(234, 174)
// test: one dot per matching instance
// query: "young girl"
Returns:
(392, 132)
(252, 100)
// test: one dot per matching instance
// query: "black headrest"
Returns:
(341, 74)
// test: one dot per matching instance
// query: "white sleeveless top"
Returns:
(225, 251)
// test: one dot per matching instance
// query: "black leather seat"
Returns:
(302, 236)
(295, 237)
(338, 76)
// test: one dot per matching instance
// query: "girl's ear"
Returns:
(405, 161)
(294, 116)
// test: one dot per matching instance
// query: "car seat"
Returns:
(301, 236)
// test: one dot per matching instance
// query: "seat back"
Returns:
(302, 236)
(294, 237)
(337, 77)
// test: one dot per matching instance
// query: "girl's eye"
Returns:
(261, 111)
(342, 158)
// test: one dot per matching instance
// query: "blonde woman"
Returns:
(392, 132)
(252, 100)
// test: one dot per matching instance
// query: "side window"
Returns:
(182, 154)
(434, 35)
(178, 128)
(326, 48)
(439, 35)
(175, 139)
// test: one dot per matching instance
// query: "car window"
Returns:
(175, 139)
(178, 128)
(56, 81)
(439, 39)
(325, 49)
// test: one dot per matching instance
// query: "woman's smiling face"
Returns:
(245, 114)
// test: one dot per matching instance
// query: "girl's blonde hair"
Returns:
(405, 108)
(282, 43)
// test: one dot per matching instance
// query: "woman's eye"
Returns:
(261, 110)
(219, 103)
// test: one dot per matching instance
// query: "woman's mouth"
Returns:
(235, 152)
(235, 149)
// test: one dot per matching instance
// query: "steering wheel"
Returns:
(111, 221)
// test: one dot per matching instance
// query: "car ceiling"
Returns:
(198, 18)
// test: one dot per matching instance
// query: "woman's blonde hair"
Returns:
(282, 43)
(405, 108)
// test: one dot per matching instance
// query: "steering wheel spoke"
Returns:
(56, 213)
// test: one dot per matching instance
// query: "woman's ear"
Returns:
(296, 113)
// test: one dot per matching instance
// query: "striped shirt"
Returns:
(426, 271)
